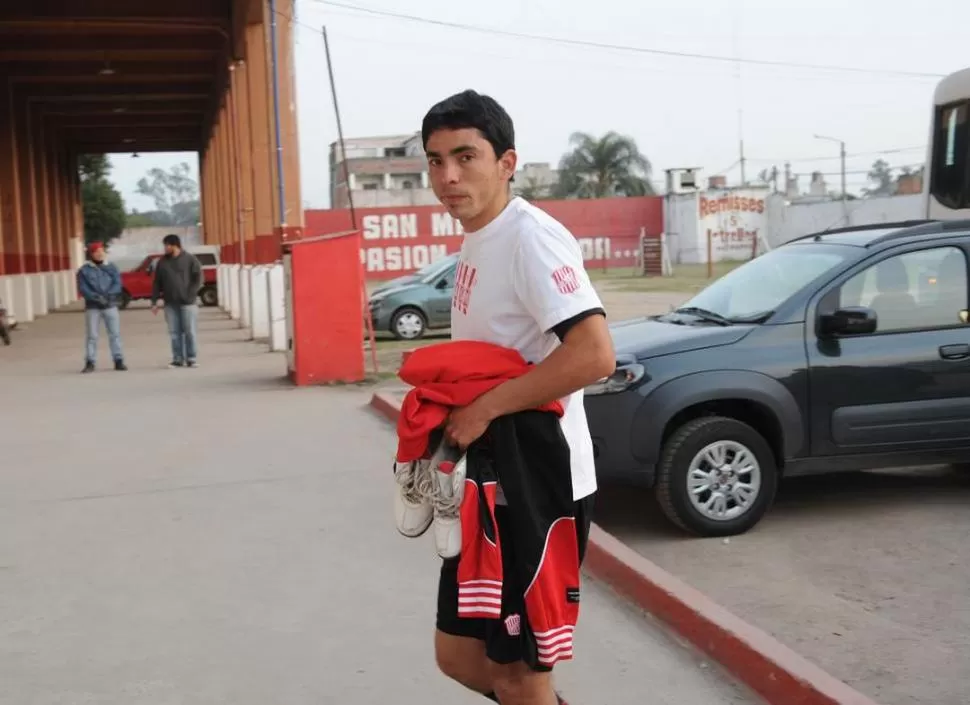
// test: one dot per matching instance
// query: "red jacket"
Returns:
(446, 376)
(527, 454)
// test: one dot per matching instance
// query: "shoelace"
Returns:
(419, 484)
(414, 479)
(446, 502)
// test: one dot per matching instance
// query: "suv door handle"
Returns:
(955, 352)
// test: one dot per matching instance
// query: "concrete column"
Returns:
(289, 224)
(38, 284)
(260, 134)
(242, 147)
(23, 298)
(276, 290)
(220, 285)
(259, 301)
(68, 286)
(30, 193)
(232, 162)
(42, 173)
(245, 300)
(235, 305)
(7, 293)
(11, 238)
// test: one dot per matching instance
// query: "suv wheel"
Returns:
(717, 477)
(408, 324)
(209, 296)
(125, 299)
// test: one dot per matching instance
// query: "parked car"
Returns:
(411, 305)
(137, 283)
(844, 350)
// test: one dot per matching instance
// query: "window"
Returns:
(206, 259)
(370, 187)
(395, 152)
(761, 285)
(950, 177)
(916, 290)
(406, 184)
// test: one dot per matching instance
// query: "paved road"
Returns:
(215, 536)
(866, 574)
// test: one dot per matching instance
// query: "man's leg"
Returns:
(513, 680)
(190, 327)
(92, 320)
(459, 644)
(112, 324)
(173, 317)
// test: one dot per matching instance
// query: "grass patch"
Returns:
(687, 278)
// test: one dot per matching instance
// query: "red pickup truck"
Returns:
(136, 284)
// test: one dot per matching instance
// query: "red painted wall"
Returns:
(396, 241)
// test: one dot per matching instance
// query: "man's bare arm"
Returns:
(585, 356)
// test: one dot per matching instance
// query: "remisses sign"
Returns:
(397, 241)
(731, 221)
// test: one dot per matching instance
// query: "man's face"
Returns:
(98, 255)
(170, 250)
(465, 173)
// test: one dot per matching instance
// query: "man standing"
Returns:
(520, 283)
(99, 283)
(178, 279)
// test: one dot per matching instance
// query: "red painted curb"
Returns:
(763, 663)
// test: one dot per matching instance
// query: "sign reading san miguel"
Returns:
(731, 221)
(406, 257)
(396, 241)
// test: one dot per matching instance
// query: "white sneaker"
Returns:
(412, 504)
(449, 488)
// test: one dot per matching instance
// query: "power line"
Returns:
(895, 150)
(622, 47)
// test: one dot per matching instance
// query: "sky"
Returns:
(683, 111)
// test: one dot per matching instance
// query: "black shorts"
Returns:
(499, 646)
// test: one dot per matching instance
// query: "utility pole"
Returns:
(841, 144)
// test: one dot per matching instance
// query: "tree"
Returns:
(882, 176)
(175, 193)
(609, 166)
(104, 209)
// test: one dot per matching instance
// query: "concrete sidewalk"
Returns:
(216, 536)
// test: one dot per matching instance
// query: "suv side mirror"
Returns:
(441, 285)
(852, 320)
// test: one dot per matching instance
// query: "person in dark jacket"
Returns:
(99, 283)
(178, 279)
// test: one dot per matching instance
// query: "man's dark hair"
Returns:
(172, 240)
(469, 109)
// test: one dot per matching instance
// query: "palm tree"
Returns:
(609, 166)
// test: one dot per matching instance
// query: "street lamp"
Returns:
(842, 156)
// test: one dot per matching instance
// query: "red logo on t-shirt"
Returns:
(566, 280)
(465, 279)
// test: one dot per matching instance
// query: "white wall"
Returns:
(788, 222)
(784, 223)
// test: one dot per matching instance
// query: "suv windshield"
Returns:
(761, 285)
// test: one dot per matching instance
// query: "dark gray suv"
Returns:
(844, 350)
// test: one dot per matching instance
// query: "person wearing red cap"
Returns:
(99, 283)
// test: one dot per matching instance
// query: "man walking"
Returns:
(178, 279)
(99, 283)
(520, 284)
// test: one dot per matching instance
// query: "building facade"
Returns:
(380, 172)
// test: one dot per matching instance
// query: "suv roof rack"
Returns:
(861, 228)
(932, 227)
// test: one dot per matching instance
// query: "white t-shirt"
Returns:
(517, 279)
